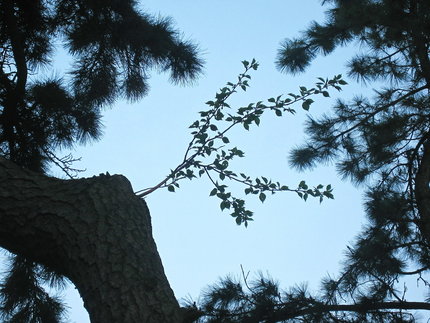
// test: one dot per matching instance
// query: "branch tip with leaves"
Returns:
(209, 154)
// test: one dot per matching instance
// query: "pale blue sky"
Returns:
(291, 240)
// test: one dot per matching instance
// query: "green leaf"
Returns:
(278, 113)
(306, 104)
(224, 205)
(194, 125)
(328, 195)
(219, 116)
(190, 174)
(262, 197)
(213, 192)
(237, 152)
(225, 140)
(213, 127)
(171, 188)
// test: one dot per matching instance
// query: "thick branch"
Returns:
(94, 231)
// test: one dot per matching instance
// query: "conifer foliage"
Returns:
(382, 141)
(113, 47)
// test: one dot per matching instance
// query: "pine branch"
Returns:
(372, 115)
(287, 314)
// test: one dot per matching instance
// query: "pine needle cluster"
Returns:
(381, 141)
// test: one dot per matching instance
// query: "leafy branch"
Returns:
(208, 153)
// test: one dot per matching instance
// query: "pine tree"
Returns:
(380, 141)
(113, 46)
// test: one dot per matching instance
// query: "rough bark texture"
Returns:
(94, 231)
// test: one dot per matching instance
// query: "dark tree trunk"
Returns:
(94, 231)
(422, 192)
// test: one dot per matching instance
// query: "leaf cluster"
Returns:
(210, 152)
